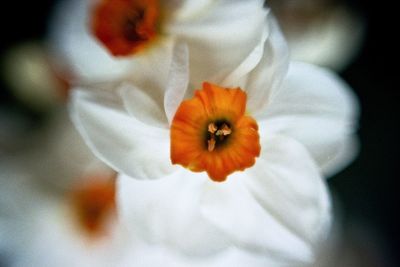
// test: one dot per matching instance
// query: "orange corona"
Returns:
(94, 205)
(125, 26)
(212, 133)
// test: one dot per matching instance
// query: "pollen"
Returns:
(125, 27)
(212, 133)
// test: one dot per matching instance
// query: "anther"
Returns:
(215, 131)
(224, 131)
(212, 128)
(211, 144)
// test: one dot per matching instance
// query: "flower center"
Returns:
(217, 134)
(125, 27)
(212, 133)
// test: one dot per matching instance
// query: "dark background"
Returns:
(367, 189)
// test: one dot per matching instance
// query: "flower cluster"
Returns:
(221, 143)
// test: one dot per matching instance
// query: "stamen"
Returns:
(217, 134)
(225, 130)
(211, 144)
(212, 128)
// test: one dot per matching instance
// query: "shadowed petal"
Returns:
(319, 110)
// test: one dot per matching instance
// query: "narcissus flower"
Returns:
(113, 39)
(126, 26)
(42, 228)
(266, 144)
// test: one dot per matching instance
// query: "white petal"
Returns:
(145, 255)
(278, 207)
(224, 28)
(166, 212)
(144, 91)
(331, 41)
(184, 9)
(178, 80)
(319, 110)
(248, 64)
(143, 105)
(70, 38)
(122, 141)
(266, 79)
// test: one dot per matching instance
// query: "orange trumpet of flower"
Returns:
(125, 26)
(211, 133)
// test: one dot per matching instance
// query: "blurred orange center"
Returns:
(125, 26)
(94, 204)
(211, 133)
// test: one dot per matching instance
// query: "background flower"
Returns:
(210, 28)
(327, 33)
(42, 227)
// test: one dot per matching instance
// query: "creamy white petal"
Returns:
(316, 108)
(71, 40)
(145, 255)
(291, 185)
(119, 139)
(166, 213)
(279, 207)
(266, 79)
(178, 80)
(153, 94)
(221, 37)
(248, 64)
(144, 105)
(331, 41)
(158, 70)
(185, 9)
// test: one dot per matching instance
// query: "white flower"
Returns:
(212, 29)
(42, 228)
(330, 37)
(50, 193)
(278, 208)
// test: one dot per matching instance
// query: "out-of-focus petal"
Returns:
(316, 108)
(279, 207)
(122, 141)
(166, 212)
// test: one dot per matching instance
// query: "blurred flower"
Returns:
(323, 32)
(278, 208)
(141, 34)
(55, 154)
(45, 228)
(28, 70)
